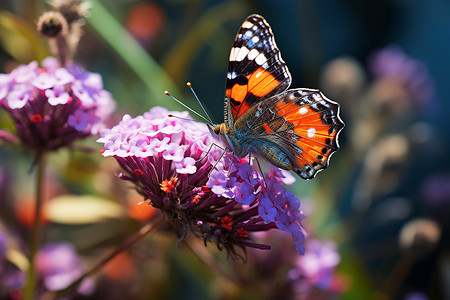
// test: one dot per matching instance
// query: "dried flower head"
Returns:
(54, 106)
(170, 162)
(420, 236)
(52, 24)
(62, 27)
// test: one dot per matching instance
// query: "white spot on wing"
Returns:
(303, 111)
(259, 74)
(232, 53)
(252, 54)
(255, 39)
(231, 75)
(311, 132)
(247, 24)
(261, 59)
(241, 54)
(317, 97)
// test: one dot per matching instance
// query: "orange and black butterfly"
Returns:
(293, 129)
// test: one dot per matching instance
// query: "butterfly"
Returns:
(294, 129)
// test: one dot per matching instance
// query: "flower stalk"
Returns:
(37, 227)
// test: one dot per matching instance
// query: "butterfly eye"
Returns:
(217, 130)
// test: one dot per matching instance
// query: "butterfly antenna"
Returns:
(187, 107)
(185, 119)
(198, 100)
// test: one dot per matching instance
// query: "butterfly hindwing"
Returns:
(295, 130)
(255, 70)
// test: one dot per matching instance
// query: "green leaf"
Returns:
(20, 39)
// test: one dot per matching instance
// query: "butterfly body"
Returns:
(293, 129)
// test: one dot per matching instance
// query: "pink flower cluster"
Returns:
(52, 106)
(170, 161)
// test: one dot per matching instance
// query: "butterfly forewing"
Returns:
(255, 70)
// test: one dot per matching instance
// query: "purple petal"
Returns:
(43, 81)
(186, 166)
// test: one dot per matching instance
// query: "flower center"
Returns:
(168, 185)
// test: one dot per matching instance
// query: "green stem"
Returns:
(145, 67)
(146, 229)
(36, 230)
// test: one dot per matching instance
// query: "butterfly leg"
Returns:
(221, 156)
(249, 165)
(232, 159)
(261, 171)
(209, 150)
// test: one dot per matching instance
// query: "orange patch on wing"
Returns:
(313, 152)
(267, 128)
(313, 133)
(298, 114)
(261, 82)
(311, 147)
(308, 124)
(244, 108)
(305, 160)
(238, 93)
(320, 133)
(311, 120)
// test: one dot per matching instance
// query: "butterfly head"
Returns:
(217, 129)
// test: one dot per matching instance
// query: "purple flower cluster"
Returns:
(170, 161)
(240, 182)
(316, 269)
(393, 63)
(53, 106)
(59, 266)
